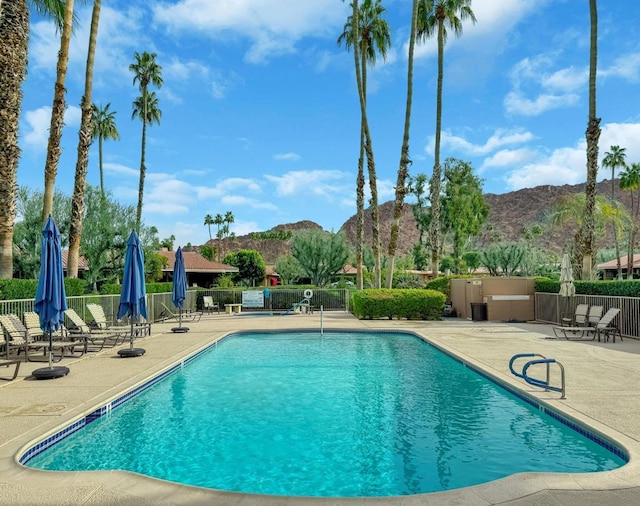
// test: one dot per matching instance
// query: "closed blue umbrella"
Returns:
(133, 294)
(179, 291)
(51, 299)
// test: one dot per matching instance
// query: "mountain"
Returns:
(509, 214)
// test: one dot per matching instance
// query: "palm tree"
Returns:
(614, 159)
(434, 17)
(569, 210)
(84, 142)
(219, 221)
(103, 122)
(585, 236)
(146, 71)
(14, 42)
(367, 26)
(403, 170)
(208, 221)
(630, 181)
(57, 113)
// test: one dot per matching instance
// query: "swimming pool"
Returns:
(344, 414)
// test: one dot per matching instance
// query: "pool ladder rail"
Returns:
(535, 381)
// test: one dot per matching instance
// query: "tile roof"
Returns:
(195, 262)
(613, 264)
(82, 261)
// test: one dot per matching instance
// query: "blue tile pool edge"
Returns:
(24, 456)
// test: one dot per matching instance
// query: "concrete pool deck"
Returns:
(602, 391)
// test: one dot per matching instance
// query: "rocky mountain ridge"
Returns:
(509, 214)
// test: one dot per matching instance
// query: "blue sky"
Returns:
(260, 114)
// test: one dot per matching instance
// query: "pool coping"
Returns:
(107, 487)
(515, 485)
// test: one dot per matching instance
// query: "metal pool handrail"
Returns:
(535, 381)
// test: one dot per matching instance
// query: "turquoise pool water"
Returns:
(344, 414)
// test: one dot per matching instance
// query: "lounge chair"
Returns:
(595, 313)
(17, 336)
(187, 315)
(603, 328)
(576, 319)
(31, 321)
(209, 305)
(100, 322)
(8, 363)
(95, 337)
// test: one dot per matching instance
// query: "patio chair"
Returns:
(96, 338)
(15, 332)
(9, 363)
(31, 321)
(187, 315)
(209, 305)
(140, 329)
(595, 313)
(603, 328)
(576, 319)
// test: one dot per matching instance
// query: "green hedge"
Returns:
(410, 303)
(114, 289)
(630, 288)
(18, 289)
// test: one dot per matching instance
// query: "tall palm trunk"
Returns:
(14, 33)
(373, 180)
(57, 114)
(614, 225)
(403, 170)
(100, 165)
(142, 157)
(371, 166)
(360, 214)
(435, 184)
(84, 142)
(586, 235)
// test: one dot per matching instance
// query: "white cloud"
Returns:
(626, 66)
(516, 103)
(120, 169)
(292, 157)
(500, 138)
(508, 158)
(317, 182)
(567, 165)
(38, 123)
(273, 27)
(120, 34)
(494, 21)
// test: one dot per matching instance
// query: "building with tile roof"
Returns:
(200, 271)
(610, 269)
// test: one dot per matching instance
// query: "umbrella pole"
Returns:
(50, 346)
(131, 335)
(180, 318)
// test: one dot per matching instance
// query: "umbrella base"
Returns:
(50, 372)
(180, 329)
(131, 352)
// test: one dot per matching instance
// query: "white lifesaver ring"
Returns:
(308, 293)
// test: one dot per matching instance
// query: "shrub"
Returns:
(18, 289)
(398, 303)
(625, 288)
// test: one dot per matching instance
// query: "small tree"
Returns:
(503, 259)
(289, 270)
(251, 266)
(463, 207)
(321, 254)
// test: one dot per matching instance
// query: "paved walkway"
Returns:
(602, 384)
